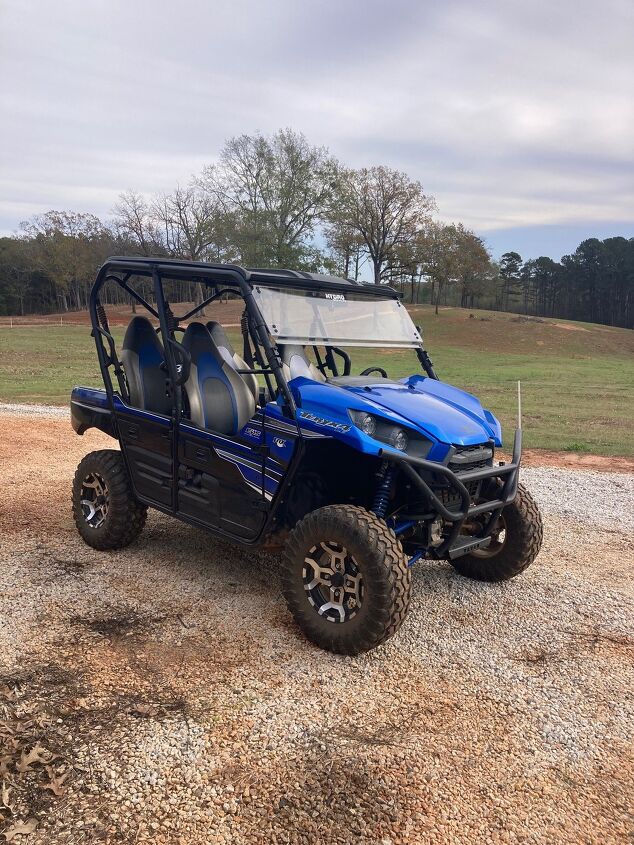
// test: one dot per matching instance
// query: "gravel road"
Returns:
(162, 693)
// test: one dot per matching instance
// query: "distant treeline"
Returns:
(278, 201)
(595, 284)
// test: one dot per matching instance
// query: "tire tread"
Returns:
(126, 515)
(525, 543)
(387, 566)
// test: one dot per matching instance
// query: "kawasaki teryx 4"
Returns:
(356, 477)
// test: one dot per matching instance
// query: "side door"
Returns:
(221, 479)
(146, 441)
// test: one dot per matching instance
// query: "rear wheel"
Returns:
(515, 543)
(345, 579)
(107, 515)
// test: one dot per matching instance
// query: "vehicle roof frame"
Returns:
(159, 269)
(231, 275)
(234, 274)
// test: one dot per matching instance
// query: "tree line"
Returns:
(278, 201)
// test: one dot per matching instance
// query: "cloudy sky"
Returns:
(516, 115)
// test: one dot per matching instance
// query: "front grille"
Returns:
(466, 458)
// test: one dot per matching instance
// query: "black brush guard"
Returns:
(454, 545)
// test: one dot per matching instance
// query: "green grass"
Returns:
(577, 385)
(41, 364)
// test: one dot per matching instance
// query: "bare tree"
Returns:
(385, 207)
(347, 249)
(276, 189)
(192, 223)
(133, 221)
(189, 218)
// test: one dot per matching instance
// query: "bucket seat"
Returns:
(295, 363)
(219, 398)
(232, 358)
(143, 359)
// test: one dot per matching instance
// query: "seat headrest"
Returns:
(219, 399)
(219, 337)
(197, 341)
(140, 333)
(142, 356)
(294, 358)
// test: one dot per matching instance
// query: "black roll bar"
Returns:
(158, 269)
(425, 361)
(205, 302)
(126, 287)
(256, 321)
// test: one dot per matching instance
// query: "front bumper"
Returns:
(455, 545)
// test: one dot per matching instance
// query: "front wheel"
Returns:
(515, 543)
(345, 579)
(107, 515)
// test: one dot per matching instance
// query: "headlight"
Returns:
(367, 424)
(399, 439)
(394, 435)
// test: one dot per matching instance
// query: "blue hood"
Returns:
(447, 413)
(438, 410)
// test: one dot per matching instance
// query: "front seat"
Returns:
(218, 397)
(232, 358)
(295, 363)
(142, 357)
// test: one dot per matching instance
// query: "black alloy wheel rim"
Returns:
(94, 500)
(333, 582)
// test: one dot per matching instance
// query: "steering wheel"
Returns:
(374, 370)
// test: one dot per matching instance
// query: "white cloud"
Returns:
(511, 113)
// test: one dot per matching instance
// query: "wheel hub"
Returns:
(337, 580)
(94, 500)
(333, 582)
(498, 539)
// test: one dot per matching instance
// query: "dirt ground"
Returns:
(228, 312)
(162, 694)
(573, 460)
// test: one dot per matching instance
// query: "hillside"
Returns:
(578, 378)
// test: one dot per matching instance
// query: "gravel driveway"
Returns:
(162, 693)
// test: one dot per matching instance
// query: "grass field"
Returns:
(577, 378)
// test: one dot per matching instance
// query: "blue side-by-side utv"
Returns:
(281, 446)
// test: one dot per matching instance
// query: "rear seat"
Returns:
(223, 344)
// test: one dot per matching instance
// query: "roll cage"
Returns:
(234, 279)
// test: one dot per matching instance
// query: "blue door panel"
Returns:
(220, 479)
(146, 441)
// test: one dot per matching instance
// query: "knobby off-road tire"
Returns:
(524, 532)
(103, 484)
(370, 549)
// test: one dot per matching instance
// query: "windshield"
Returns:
(336, 319)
